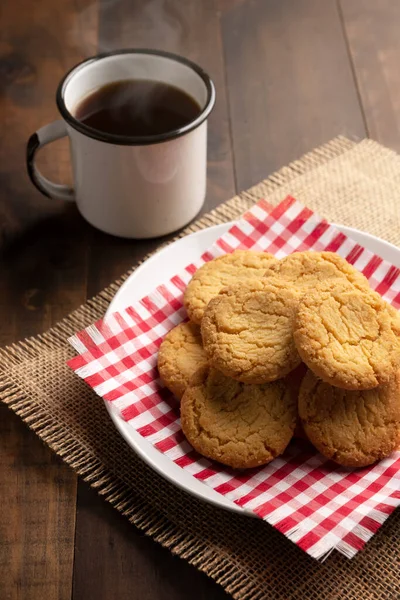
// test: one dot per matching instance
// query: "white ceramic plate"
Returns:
(159, 269)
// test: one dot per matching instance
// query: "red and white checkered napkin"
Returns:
(314, 502)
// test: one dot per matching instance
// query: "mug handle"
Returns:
(45, 135)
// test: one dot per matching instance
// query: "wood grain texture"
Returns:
(125, 563)
(372, 30)
(290, 83)
(37, 517)
(43, 249)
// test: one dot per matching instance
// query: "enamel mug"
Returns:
(133, 187)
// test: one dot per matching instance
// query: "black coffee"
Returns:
(137, 107)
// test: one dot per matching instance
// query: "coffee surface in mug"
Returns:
(137, 107)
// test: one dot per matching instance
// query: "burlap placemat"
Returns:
(353, 184)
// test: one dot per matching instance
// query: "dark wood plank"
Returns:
(42, 278)
(114, 560)
(372, 30)
(289, 80)
(37, 517)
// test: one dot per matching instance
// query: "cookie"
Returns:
(181, 354)
(353, 428)
(237, 424)
(221, 272)
(348, 337)
(247, 331)
(304, 270)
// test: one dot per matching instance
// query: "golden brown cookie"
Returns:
(348, 337)
(353, 428)
(247, 331)
(221, 272)
(237, 424)
(181, 354)
(304, 270)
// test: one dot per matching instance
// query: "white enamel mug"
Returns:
(134, 187)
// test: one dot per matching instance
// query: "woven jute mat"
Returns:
(349, 183)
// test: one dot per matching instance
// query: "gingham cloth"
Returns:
(314, 502)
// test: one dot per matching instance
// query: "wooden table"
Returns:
(290, 74)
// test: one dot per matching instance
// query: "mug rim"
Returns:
(126, 140)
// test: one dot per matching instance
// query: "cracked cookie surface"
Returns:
(247, 331)
(180, 355)
(304, 270)
(221, 272)
(348, 337)
(239, 425)
(353, 428)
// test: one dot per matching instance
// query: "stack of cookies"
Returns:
(277, 346)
